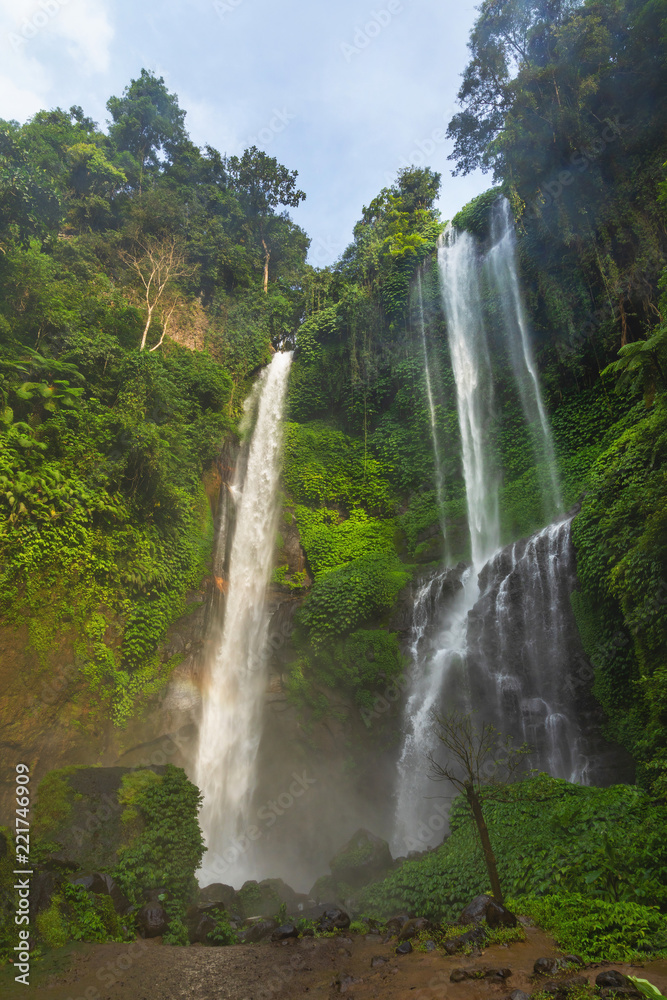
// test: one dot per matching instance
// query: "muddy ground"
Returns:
(311, 967)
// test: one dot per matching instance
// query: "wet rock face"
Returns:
(526, 664)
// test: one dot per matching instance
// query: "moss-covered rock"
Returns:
(364, 858)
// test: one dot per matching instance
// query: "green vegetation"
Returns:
(549, 837)
(77, 915)
(164, 844)
(142, 281)
(595, 928)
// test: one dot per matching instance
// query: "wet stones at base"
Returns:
(404, 949)
(414, 927)
(486, 908)
(152, 920)
(495, 975)
(614, 984)
(284, 932)
(332, 920)
(257, 931)
(561, 987)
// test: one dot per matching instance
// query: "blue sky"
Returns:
(344, 92)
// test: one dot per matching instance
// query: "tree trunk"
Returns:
(489, 856)
(146, 328)
(266, 265)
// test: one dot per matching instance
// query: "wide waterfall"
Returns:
(498, 643)
(231, 714)
(502, 263)
(524, 656)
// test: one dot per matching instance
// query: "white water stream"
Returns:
(230, 727)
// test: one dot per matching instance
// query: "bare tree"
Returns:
(475, 756)
(157, 263)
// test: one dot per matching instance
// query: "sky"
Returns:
(346, 92)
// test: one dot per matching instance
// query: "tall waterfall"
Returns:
(498, 645)
(502, 263)
(458, 260)
(439, 474)
(231, 715)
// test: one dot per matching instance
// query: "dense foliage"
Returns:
(601, 851)
(164, 843)
(136, 303)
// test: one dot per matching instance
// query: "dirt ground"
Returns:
(323, 968)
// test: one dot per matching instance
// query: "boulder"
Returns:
(332, 920)
(561, 987)
(475, 911)
(486, 908)
(378, 961)
(364, 858)
(404, 949)
(204, 926)
(545, 966)
(498, 915)
(217, 896)
(396, 924)
(257, 931)
(454, 944)
(430, 946)
(414, 927)
(91, 882)
(519, 995)
(42, 887)
(324, 889)
(284, 932)
(612, 979)
(152, 920)
(121, 903)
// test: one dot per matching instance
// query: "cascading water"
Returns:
(437, 669)
(503, 640)
(439, 474)
(502, 263)
(231, 713)
(458, 261)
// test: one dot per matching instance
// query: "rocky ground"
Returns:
(360, 967)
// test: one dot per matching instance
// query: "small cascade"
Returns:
(230, 727)
(502, 263)
(458, 261)
(524, 648)
(439, 474)
(438, 662)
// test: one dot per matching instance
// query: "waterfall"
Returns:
(502, 263)
(524, 646)
(440, 670)
(459, 270)
(436, 665)
(502, 641)
(439, 475)
(231, 713)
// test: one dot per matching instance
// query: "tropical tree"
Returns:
(147, 123)
(262, 184)
(475, 756)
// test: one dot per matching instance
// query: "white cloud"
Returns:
(44, 45)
